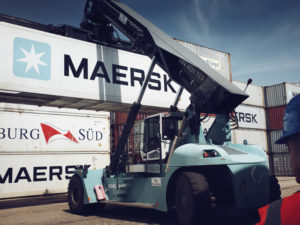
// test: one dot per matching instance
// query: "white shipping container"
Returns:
(280, 94)
(252, 136)
(256, 94)
(251, 127)
(86, 75)
(81, 74)
(40, 147)
(250, 117)
(41, 129)
(39, 174)
(291, 91)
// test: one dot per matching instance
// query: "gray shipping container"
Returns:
(276, 148)
(280, 94)
(281, 164)
(275, 95)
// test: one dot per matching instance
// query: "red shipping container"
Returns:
(275, 117)
(121, 117)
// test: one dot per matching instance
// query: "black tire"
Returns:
(75, 198)
(75, 195)
(192, 198)
(275, 192)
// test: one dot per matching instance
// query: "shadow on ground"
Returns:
(32, 201)
(150, 216)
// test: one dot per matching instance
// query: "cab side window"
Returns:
(152, 131)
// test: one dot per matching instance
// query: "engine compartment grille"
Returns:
(232, 151)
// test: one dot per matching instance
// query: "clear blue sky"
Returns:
(262, 36)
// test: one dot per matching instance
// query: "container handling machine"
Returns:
(173, 165)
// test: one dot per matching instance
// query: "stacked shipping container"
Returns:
(251, 117)
(40, 147)
(277, 97)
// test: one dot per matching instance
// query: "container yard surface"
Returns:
(54, 210)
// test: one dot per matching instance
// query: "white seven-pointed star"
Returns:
(32, 59)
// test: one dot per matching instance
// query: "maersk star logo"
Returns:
(31, 59)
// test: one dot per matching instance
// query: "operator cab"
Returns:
(159, 132)
(152, 139)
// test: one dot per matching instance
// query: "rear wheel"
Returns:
(75, 195)
(192, 198)
(75, 198)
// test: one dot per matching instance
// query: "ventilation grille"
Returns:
(232, 151)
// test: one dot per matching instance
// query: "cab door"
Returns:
(152, 138)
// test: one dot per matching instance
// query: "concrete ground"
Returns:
(50, 210)
(288, 186)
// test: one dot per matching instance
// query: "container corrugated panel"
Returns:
(276, 148)
(135, 140)
(116, 130)
(121, 117)
(253, 137)
(275, 95)
(220, 61)
(281, 164)
(275, 117)
(256, 94)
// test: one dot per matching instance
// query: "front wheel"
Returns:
(192, 198)
(75, 195)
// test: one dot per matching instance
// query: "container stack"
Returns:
(277, 97)
(251, 117)
(40, 147)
